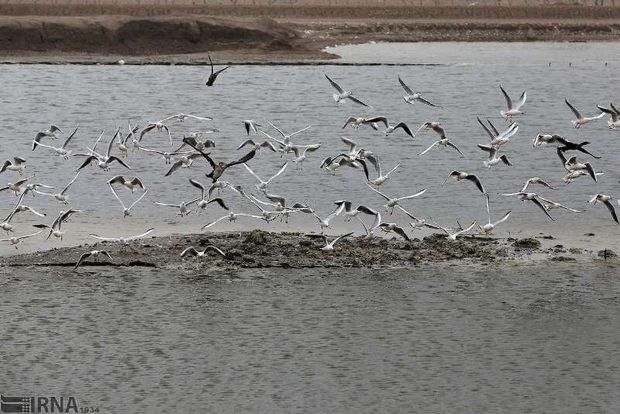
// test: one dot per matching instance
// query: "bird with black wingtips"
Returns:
(220, 167)
(214, 73)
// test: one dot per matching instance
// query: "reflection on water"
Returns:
(457, 339)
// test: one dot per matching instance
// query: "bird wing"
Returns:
(118, 160)
(426, 102)
(352, 144)
(189, 251)
(354, 99)
(192, 143)
(539, 204)
(139, 236)
(253, 173)
(83, 257)
(334, 84)
(489, 133)
(215, 249)
(220, 202)
(401, 232)
(612, 210)
(137, 200)
(279, 172)
(473, 178)
(405, 128)
(521, 101)
(503, 219)
(450, 144)
(146, 129)
(405, 87)
(246, 142)
(429, 148)
(174, 167)
(199, 186)
(419, 193)
(69, 139)
(508, 100)
(572, 108)
(64, 190)
(247, 157)
(340, 237)
(117, 197)
(377, 119)
(87, 161)
(378, 192)
(215, 221)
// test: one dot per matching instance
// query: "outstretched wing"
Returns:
(405, 87)
(572, 108)
(334, 84)
(247, 157)
(508, 100)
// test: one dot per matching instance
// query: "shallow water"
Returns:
(460, 338)
(466, 83)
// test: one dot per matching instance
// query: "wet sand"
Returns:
(261, 249)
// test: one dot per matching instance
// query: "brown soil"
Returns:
(183, 34)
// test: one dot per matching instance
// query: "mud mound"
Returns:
(140, 36)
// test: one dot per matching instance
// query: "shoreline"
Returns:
(262, 249)
(296, 39)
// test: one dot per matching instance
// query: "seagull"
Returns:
(51, 132)
(498, 139)
(381, 177)
(534, 198)
(201, 202)
(103, 161)
(182, 206)
(388, 227)
(356, 122)
(61, 151)
(166, 155)
(489, 227)
(342, 94)
(258, 145)
(550, 205)
(370, 232)
(546, 139)
(199, 145)
(250, 125)
(219, 185)
(181, 117)
(513, 109)
(451, 235)
(349, 212)
(18, 164)
(122, 143)
(94, 254)
(16, 187)
(412, 96)
(535, 180)
(572, 146)
(131, 184)
(581, 120)
(462, 175)
(20, 208)
(614, 121)
(330, 246)
(55, 228)
(160, 127)
(576, 169)
(191, 251)
(214, 74)
(300, 156)
(124, 240)
(15, 240)
(219, 168)
(331, 164)
(393, 202)
(185, 161)
(61, 197)
(391, 128)
(262, 183)
(605, 199)
(127, 210)
(324, 222)
(233, 217)
(285, 143)
(444, 141)
(493, 159)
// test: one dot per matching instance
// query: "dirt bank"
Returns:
(259, 249)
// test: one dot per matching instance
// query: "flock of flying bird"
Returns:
(269, 206)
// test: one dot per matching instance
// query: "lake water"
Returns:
(458, 338)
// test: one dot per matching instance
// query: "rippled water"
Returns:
(460, 339)
(466, 83)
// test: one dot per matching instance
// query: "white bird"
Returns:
(233, 217)
(490, 226)
(51, 132)
(382, 177)
(494, 157)
(181, 117)
(56, 228)
(582, 120)
(127, 210)
(412, 96)
(498, 139)
(389, 227)
(513, 109)
(324, 222)
(93, 254)
(370, 232)
(103, 161)
(330, 246)
(443, 140)
(257, 145)
(15, 240)
(342, 94)
(182, 207)
(16, 187)
(185, 161)
(452, 235)
(20, 208)
(61, 151)
(251, 125)
(391, 128)
(167, 155)
(614, 113)
(605, 199)
(131, 184)
(191, 251)
(393, 202)
(349, 212)
(18, 164)
(123, 239)
(533, 197)
(62, 196)
(201, 202)
(462, 175)
(262, 183)
(535, 180)
(159, 125)
(300, 156)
